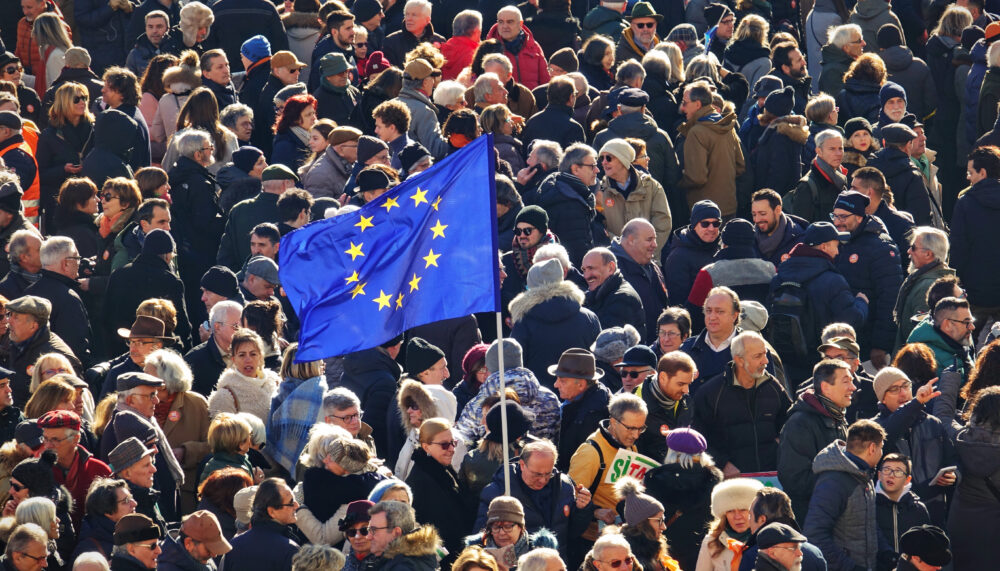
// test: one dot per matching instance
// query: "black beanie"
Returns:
(888, 36)
(246, 157)
(368, 147)
(535, 216)
(566, 59)
(420, 356)
(36, 474)
(222, 281)
(411, 155)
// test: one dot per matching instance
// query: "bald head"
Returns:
(639, 240)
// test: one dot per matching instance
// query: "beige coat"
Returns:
(187, 427)
(647, 200)
(713, 159)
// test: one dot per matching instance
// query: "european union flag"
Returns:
(424, 251)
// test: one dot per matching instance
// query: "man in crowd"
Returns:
(133, 462)
(520, 47)
(335, 96)
(27, 548)
(710, 349)
(372, 375)
(870, 182)
(147, 334)
(419, 80)
(816, 192)
(147, 46)
(25, 259)
(640, 36)
(789, 65)
(584, 399)
(928, 261)
(971, 254)
(779, 548)
(634, 252)
(341, 407)
(399, 540)
(30, 337)
(392, 122)
(901, 175)
(76, 468)
(777, 232)
(58, 284)
(667, 401)
(216, 75)
(612, 298)
(10, 415)
(555, 122)
(772, 506)
(285, 69)
(194, 546)
(844, 46)
(208, 360)
(417, 29)
(245, 216)
(260, 279)
(152, 213)
(121, 92)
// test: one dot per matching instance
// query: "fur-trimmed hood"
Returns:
(421, 542)
(792, 126)
(532, 298)
(410, 389)
(301, 20)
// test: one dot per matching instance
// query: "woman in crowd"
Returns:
(33, 478)
(672, 327)
(338, 472)
(441, 497)
(153, 183)
(53, 394)
(317, 143)
(152, 89)
(49, 33)
(76, 215)
(265, 319)
(644, 526)
(238, 118)
(596, 62)
(683, 484)
(354, 526)
(291, 132)
(611, 551)
(474, 373)
(178, 82)
(505, 528)
(217, 494)
(42, 512)
(731, 529)
(183, 416)
(380, 87)
(245, 386)
(860, 146)
(295, 408)
(498, 120)
(63, 144)
(391, 489)
(480, 465)
(461, 128)
(108, 500)
(822, 114)
(119, 199)
(240, 179)
(748, 52)
(862, 82)
(415, 405)
(201, 111)
(229, 437)
(12, 70)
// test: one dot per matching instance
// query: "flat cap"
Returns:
(128, 381)
(264, 268)
(777, 533)
(59, 419)
(38, 307)
(897, 134)
(278, 172)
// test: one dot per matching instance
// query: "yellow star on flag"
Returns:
(358, 290)
(438, 229)
(432, 259)
(355, 251)
(353, 277)
(383, 300)
(366, 222)
(399, 301)
(415, 283)
(419, 196)
(436, 203)
(389, 204)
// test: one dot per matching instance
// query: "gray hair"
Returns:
(191, 141)
(673, 52)
(993, 56)
(222, 309)
(539, 447)
(704, 65)
(955, 19)
(579, 81)
(172, 369)
(548, 153)
(321, 439)
(837, 330)
(232, 113)
(449, 92)
(90, 558)
(538, 559)
(423, 4)
(258, 433)
(827, 134)
(625, 402)
(312, 557)
(609, 540)
(340, 398)
(38, 510)
(933, 239)
(686, 460)
(18, 245)
(550, 251)
(23, 536)
(738, 346)
(629, 72)
(466, 22)
(484, 86)
(840, 36)
(657, 64)
(500, 60)
(576, 154)
(56, 249)
(397, 514)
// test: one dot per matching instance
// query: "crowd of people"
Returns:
(750, 306)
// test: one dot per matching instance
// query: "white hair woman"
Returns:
(42, 512)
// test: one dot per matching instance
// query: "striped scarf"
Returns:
(294, 410)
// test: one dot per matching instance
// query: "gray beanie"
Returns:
(612, 343)
(350, 454)
(638, 506)
(512, 356)
(548, 272)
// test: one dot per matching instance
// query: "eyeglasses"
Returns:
(504, 527)
(374, 528)
(290, 504)
(13, 69)
(839, 217)
(48, 440)
(639, 429)
(712, 223)
(619, 562)
(77, 258)
(593, 166)
(127, 500)
(669, 334)
(641, 158)
(896, 388)
(362, 531)
(108, 197)
(634, 374)
(644, 25)
(657, 520)
(445, 445)
(913, 248)
(79, 98)
(150, 396)
(966, 322)
(792, 549)
(897, 472)
(523, 231)
(539, 475)
(37, 559)
(348, 418)
(208, 148)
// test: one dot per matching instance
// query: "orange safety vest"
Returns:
(29, 132)
(33, 193)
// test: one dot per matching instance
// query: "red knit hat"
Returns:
(474, 355)
(60, 419)
(376, 63)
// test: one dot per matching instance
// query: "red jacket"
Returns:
(82, 472)
(457, 52)
(530, 66)
(26, 49)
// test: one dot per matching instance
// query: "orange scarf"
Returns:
(107, 223)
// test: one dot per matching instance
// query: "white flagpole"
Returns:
(503, 407)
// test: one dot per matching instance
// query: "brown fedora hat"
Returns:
(146, 326)
(576, 364)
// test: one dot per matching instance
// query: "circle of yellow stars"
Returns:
(356, 251)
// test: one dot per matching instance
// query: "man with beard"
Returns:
(640, 36)
(777, 233)
(531, 231)
(949, 335)
(780, 548)
(741, 411)
(789, 66)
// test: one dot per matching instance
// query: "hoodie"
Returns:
(872, 15)
(896, 517)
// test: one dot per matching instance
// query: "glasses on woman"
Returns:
(79, 99)
(448, 445)
(11, 69)
(108, 197)
(362, 531)
(504, 527)
(615, 564)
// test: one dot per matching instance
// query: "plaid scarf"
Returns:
(293, 412)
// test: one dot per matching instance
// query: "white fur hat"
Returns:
(735, 494)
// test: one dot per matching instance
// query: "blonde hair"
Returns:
(432, 427)
(42, 363)
(227, 433)
(752, 27)
(47, 396)
(64, 101)
(125, 189)
(302, 371)
(103, 413)
(162, 309)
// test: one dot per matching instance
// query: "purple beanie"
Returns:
(686, 441)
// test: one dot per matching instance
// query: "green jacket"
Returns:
(912, 298)
(947, 353)
(221, 460)
(234, 249)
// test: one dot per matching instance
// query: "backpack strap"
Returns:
(813, 190)
(600, 472)
(236, 401)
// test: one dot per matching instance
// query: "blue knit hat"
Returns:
(256, 48)
(890, 90)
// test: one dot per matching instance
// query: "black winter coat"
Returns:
(924, 439)
(651, 443)
(57, 147)
(289, 150)
(570, 206)
(262, 102)
(974, 521)
(225, 95)
(616, 303)
(896, 518)
(101, 31)
(775, 163)
(237, 20)
(741, 425)
(687, 254)
(554, 123)
(794, 228)
(859, 98)
(196, 217)
(648, 282)
(973, 254)
(145, 277)
(899, 224)
(663, 165)
(686, 493)
(114, 136)
(84, 77)
(253, 85)
(69, 319)
(398, 44)
(336, 106)
(580, 418)
(206, 365)
(268, 546)
(442, 500)
(554, 31)
(908, 189)
(373, 376)
(870, 264)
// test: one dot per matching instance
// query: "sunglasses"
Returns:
(17, 487)
(634, 374)
(627, 562)
(108, 197)
(606, 158)
(362, 531)
(712, 223)
(523, 231)
(79, 98)
(13, 69)
(643, 25)
(445, 445)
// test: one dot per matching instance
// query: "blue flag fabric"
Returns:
(423, 251)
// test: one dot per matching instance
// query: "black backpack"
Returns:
(792, 328)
